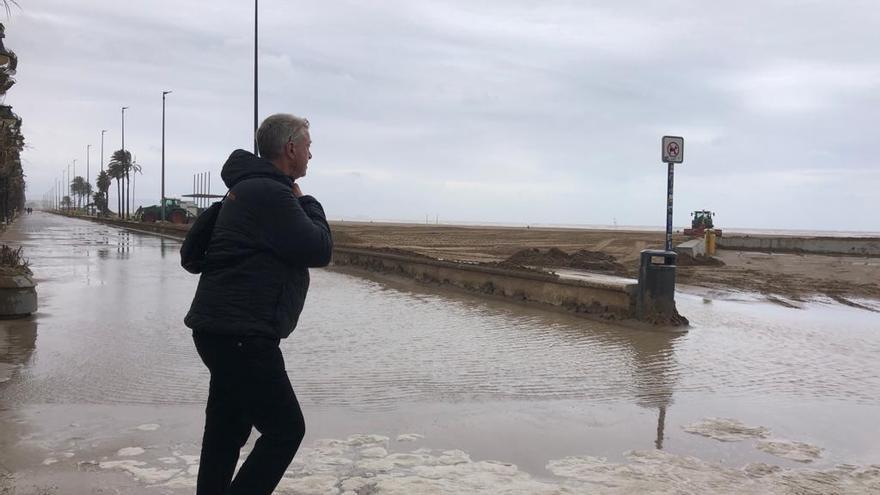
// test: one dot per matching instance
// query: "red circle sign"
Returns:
(672, 149)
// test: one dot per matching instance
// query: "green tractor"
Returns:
(701, 222)
(175, 212)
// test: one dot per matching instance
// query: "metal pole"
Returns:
(134, 180)
(208, 199)
(669, 207)
(74, 175)
(88, 152)
(194, 189)
(102, 149)
(256, 43)
(162, 203)
(124, 202)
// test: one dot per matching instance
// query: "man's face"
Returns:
(301, 154)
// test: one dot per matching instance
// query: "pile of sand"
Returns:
(583, 259)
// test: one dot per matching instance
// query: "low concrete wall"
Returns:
(163, 229)
(604, 297)
(692, 248)
(818, 245)
(18, 296)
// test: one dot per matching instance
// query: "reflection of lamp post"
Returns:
(661, 425)
(162, 202)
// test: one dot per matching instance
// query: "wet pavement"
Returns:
(408, 389)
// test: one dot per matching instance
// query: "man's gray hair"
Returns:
(276, 131)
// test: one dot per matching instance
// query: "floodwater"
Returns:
(410, 389)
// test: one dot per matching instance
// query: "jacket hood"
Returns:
(243, 165)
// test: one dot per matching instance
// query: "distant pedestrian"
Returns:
(254, 279)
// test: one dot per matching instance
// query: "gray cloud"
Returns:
(512, 111)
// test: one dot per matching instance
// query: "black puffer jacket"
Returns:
(255, 275)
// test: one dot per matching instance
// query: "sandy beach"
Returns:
(786, 278)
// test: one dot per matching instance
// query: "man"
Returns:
(251, 292)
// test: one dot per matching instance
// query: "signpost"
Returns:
(671, 152)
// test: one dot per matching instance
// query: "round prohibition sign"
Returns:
(672, 149)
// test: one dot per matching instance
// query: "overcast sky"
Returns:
(493, 111)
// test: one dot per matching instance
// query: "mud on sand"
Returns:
(781, 277)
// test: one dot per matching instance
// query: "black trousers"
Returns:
(249, 388)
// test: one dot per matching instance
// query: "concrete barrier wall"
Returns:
(162, 229)
(614, 300)
(692, 248)
(604, 296)
(818, 245)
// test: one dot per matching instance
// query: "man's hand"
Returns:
(297, 192)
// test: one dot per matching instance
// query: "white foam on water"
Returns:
(374, 452)
(146, 475)
(660, 472)
(360, 464)
(788, 449)
(167, 460)
(148, 427)
(409, 437)
(360, 440)
(316, 484)
(726, 430)
(49, 461)
(130, 451)
(188, 459)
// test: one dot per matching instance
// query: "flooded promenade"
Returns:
(406, 389)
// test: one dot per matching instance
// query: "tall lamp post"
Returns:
(162, 203)
(88, 153)
(72, 178)
(103, 131)
(67, 188)
(125, 201)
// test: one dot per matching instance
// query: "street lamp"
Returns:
(162, 203)
(68, 188)
(88, 149)
(125, 202)
(102, 148)
(74, 176)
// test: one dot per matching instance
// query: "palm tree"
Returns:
(103, 182)
(7, 3)
(118, 168)
(79, 187)
(114, 171)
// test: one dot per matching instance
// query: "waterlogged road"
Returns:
(415, 390)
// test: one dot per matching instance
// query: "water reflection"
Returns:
(123, 244)
(17, 343)
(655, 374)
